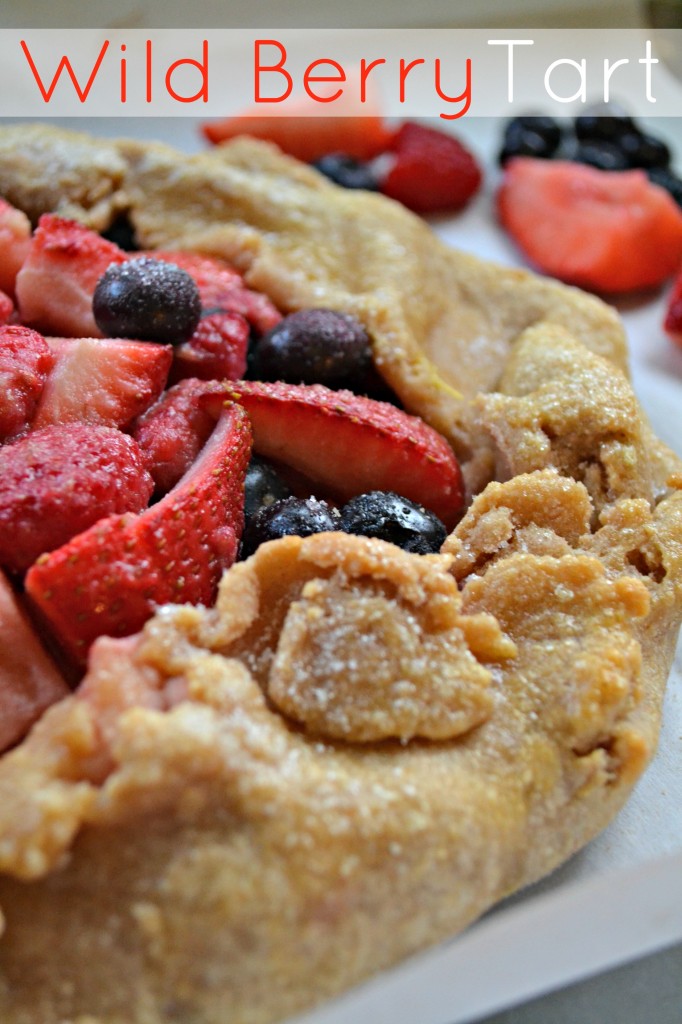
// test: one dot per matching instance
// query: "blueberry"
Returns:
(314, 346)
(147, 299)
(609, 128)
(644, 150)
(387, 516)
(601, 154)
(347, 171)
(547, 128)
(297, 517)
(665, 178)
(263, 486)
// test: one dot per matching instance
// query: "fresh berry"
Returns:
(15, 240)
(110, 579)
(673, 315)
(360, 131)
(348, 172)
(347, 445)
(263, 487)
(390, 517)
(172, 433)
(97, 380)
(6, 308)
(314, 346)
(642, 150)
(222, 288)
(664, 178)
(57, 280)
(216, 351)
(431, 171)
(30, 680)
(601, 154)
(612, 232)
(56, 482)
(147, 299)
(290, 517)
(25, 361)
(530, 136)
(604, 127)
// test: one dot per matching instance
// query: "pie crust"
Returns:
(245, 810)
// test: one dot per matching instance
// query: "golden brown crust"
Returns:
(237, 793)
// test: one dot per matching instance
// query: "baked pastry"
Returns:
(246, 809)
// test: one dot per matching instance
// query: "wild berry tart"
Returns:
(434, 666)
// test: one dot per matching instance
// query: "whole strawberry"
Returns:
(56, 482)
(431, 172)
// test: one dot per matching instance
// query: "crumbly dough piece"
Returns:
(234, 817)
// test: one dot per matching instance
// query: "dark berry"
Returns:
(147, 299)
(644, 150)
(122, 233)
(387, 516)
(263, 486)
(347, 171)
(609, 128)
(313, 346)
(530, 136)
(290, 517)
(664, 178)
(603, 155)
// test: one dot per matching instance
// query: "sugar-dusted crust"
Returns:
(247, 809)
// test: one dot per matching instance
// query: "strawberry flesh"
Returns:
(102, 380)
(610, 231)
(56, 482)
(431, 171)
(25, 362)
(349, 444)
(111, 578)
(673, 315)
(6, 308)
(15, 241)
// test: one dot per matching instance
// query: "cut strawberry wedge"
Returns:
(611, 231)
(348, 444)
(111, 578)
(15, 241)
(360, 131)
(30, 680)
(58, 278)
(6, 308)
(101, 380)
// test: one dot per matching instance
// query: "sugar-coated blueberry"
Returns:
(388, 516)
(147, 299)
(263, 486)
(347, 171)
(607, 128)
(314, 346)
(601, 154)
(297, 517)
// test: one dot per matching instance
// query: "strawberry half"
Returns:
(25, 362)
(610, 231)
(348, 444)
(431, 171)
(110, 579)
(15, 241)
(58, 278)
(102, 380)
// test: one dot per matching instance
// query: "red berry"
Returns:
(56, 482)
(432, 172)
(611, 231)
(25, 361)
(15, 239)
(6, 308)
(673, 314)
(216, 350)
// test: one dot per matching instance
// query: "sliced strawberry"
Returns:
(30, 680)
(431, 172)
(222, 288)
(15, 240)
(172, 433)
(56, 482)
(611, 231)
(101, 380)
(348, 444)
(57, 280)
(6, 308)
(673, 315)
(359, 132)
(216, 351)
(111, 578)
(25, 361)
